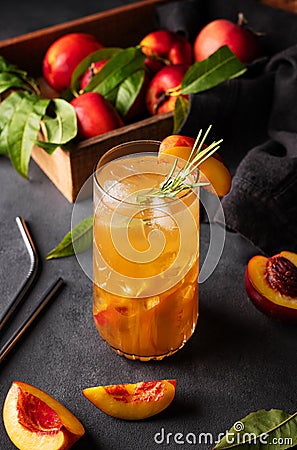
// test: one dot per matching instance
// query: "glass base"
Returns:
(147, 358)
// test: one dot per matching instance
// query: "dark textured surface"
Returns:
(237, 361)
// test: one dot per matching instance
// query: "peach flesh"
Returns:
(35, 420)
(267, 299)
(133, 401)
(213, 170)
(35, 415)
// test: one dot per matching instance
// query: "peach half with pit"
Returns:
(271, 284)
(132, 401)
(212, 170)
(35, 420)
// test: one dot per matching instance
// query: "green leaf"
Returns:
(112, 95)
(219, 67)
(262, 430)
(103, 53)
(7, 108)
(61, 128)
(6, 66)
(80, 239)
(22, 130)
(181, 110)
(13, 77)
(116, 70)
(128, 91)
(9, 81)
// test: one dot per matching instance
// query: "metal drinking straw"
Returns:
(31, 276)
(49, 294)
(27, 284)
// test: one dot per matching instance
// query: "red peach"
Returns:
(241, 41)
(157, 99)
(64, 55)
(91, 71)
(170, 47)
(95, 115)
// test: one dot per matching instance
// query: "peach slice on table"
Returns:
(35, 420)
(213, 170)
(271, 284)
(132, 401)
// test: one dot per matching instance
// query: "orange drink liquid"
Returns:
(146, 252)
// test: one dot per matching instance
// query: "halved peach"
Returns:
(271, 284)
(132, 401)
(213, 170)
(169, 143)
(35, 420)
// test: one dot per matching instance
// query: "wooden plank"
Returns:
(69, 169)
(121, 26)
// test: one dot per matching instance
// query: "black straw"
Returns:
(49, 294)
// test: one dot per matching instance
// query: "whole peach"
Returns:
(157, 99)
(95, 115)
(91, 71)
(169, 47)
(241, 41)
(64, 55)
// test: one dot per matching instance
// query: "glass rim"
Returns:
(170, 200)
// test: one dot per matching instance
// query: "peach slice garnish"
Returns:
(132, 401)
(213, 170)
(35, 420)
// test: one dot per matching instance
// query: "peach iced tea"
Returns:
(145, 257)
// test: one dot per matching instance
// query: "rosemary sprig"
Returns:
(175, 183)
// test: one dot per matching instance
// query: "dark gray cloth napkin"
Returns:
(256, 115)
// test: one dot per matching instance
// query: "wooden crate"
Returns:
(288, 5)
(124, 26)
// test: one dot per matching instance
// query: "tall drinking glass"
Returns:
(146, 254)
